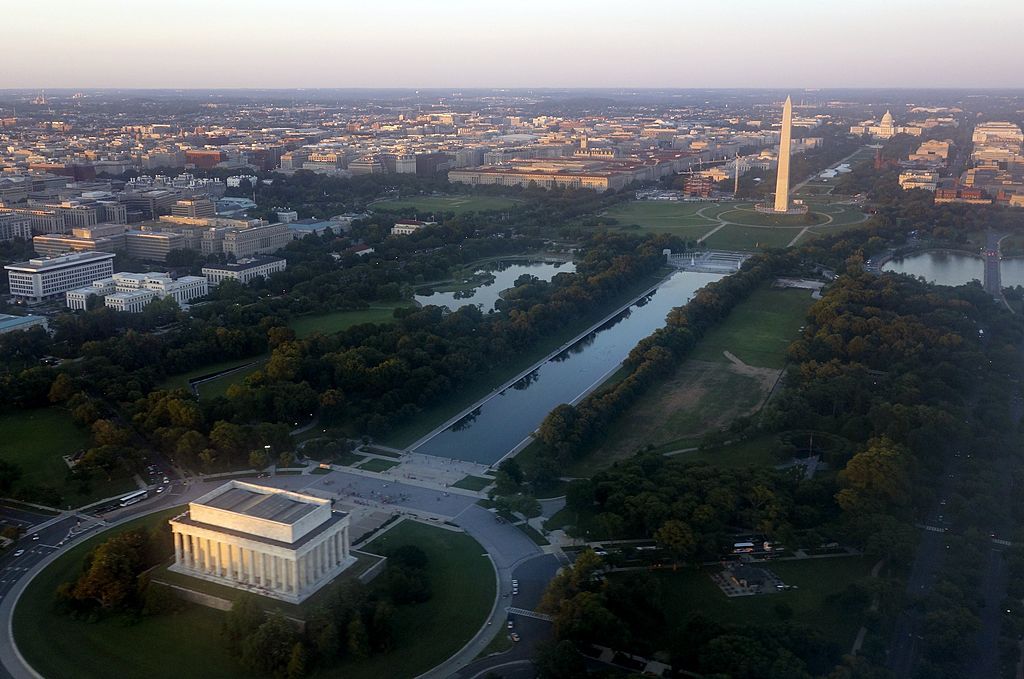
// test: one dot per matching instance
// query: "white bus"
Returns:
(132, 498)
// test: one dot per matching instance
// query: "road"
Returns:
(993, 277)
(931, 553)
(512, 553)
(533, 577)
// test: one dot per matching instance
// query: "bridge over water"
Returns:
(707, 261)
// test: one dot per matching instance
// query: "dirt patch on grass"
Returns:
(700, 397)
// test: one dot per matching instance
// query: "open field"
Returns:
(743, 228)
(36, 440)
(759, 329)
(700, 397)
(736, 237)
(661, 215)
(746, 215)
(813, 604)
(336, 321)
(709, 390)
(752, 452)
(456, 204)
(188, 643)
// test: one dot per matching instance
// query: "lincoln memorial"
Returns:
(269, 541)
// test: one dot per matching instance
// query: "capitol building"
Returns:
(886, 129)
(269, 541)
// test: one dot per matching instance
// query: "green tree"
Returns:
(358, 639)
(296, 668)
(269, 648)
(241, 621)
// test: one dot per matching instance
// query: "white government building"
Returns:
(244, 270)
(133, 291)
(270, 541)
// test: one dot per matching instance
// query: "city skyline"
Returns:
(461, 44)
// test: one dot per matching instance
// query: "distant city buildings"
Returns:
(919, 179)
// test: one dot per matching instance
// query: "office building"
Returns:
(103, 237)
(40, 279)
(264, 239)
(14, 225)
(244, 270)
(194, 207)
(152, 246)
(9, 323)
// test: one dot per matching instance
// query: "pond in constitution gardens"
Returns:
(949, 268)
(507, 418)
(941, 268)
(495, 278)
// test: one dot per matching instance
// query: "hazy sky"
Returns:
(518, 43)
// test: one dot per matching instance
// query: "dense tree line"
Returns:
(377, 375)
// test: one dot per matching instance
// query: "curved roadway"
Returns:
(512, 553)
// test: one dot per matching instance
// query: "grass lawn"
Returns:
(336, 321)
(753, 218)
(499, 644)
(36, 440)
(532, 533)
(707, 391)
(428, 633)
(181, 381)
(218, 386)
(756, 451)
(188, 643)
(472, 483)
(456, 204)
(734, 237)
(658, 215)
(164, 646)
(377, 465)
(691, 591)
(700, 397)
(759, 329)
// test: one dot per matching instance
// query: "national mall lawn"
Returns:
(189, 643)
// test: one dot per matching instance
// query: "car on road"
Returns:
(510, 624)
(35, 536)
(514, 636)
(160, 489)
(19, 552)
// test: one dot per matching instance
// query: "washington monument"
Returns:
(782, 182)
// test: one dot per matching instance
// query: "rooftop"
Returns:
(276, 507)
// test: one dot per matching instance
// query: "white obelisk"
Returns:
(782, 182)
